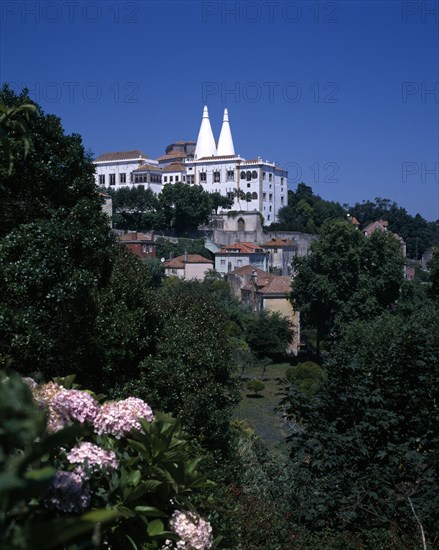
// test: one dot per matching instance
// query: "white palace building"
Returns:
(256, 185)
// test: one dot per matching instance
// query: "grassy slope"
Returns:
(260, 412)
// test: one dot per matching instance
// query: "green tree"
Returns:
(255, 386)
(219, 201)
(367, 451)
(51, 271)
(433, 265)
(184, 207)
(346, 276)
(267, 333)
(190, 372)
(136, 208)
(306, 212)
(307, 377)
(56, 173)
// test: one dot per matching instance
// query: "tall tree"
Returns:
(184, 207)
(55, 173)
(346, 276)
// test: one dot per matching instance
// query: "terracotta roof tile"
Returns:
(136, 237)
(241, 248)
(121, 155)
(174, 167)
(173, 155)
(179, 261)
(146, 167)
(278, 242)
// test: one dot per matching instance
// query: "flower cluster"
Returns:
(68, 492)
(91, 457)
(118, 418)
(195, 532)
(75, 405)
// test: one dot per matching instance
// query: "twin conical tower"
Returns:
(206, 143)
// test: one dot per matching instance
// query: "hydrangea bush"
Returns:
(116, 467)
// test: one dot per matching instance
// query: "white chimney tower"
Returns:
(205, 143)
(225, 143)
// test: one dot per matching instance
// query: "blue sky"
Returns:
(343, 94)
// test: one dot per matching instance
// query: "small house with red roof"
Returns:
(188, 267)
(140, 244)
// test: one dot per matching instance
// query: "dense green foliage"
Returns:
(306, 212)
(307, 377)
(368, 449)
(179, 207)
(346, 276)
(55, 173)
(418, 233)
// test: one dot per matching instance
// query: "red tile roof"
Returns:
(148, 167)
(278, 242)
(135, 236)
(241, 248)
(179, 261)
(121, 155)
(270, 284)
(174, 167)
(173, 155)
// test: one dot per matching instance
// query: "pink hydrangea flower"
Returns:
(118, 418)
(68, 492)
(75, 405)
(195, 532)
(91, 457)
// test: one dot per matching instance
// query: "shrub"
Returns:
(255, 386)
(69, 466)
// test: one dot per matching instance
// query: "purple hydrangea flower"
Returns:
(195, 532)
(91, 457)
(68, 492)
(119, 418)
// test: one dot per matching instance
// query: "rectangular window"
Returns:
(203, 176)
(264, 176)
(112, 179)
(282, 201)
(270, 207)
(249, 184)
(216, 177)
(176, 178)
(171, 178)
(281, 181)
(264, 196)
(102, 179)
(165, 179)
(270, 197)
(184, 178)
(230, 175)
(270, 177)
(223, 262)
(122, 178)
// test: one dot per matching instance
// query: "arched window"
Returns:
(243, 175)
(254, 174)
(241, 225)
(249, 175)
(254, 196)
